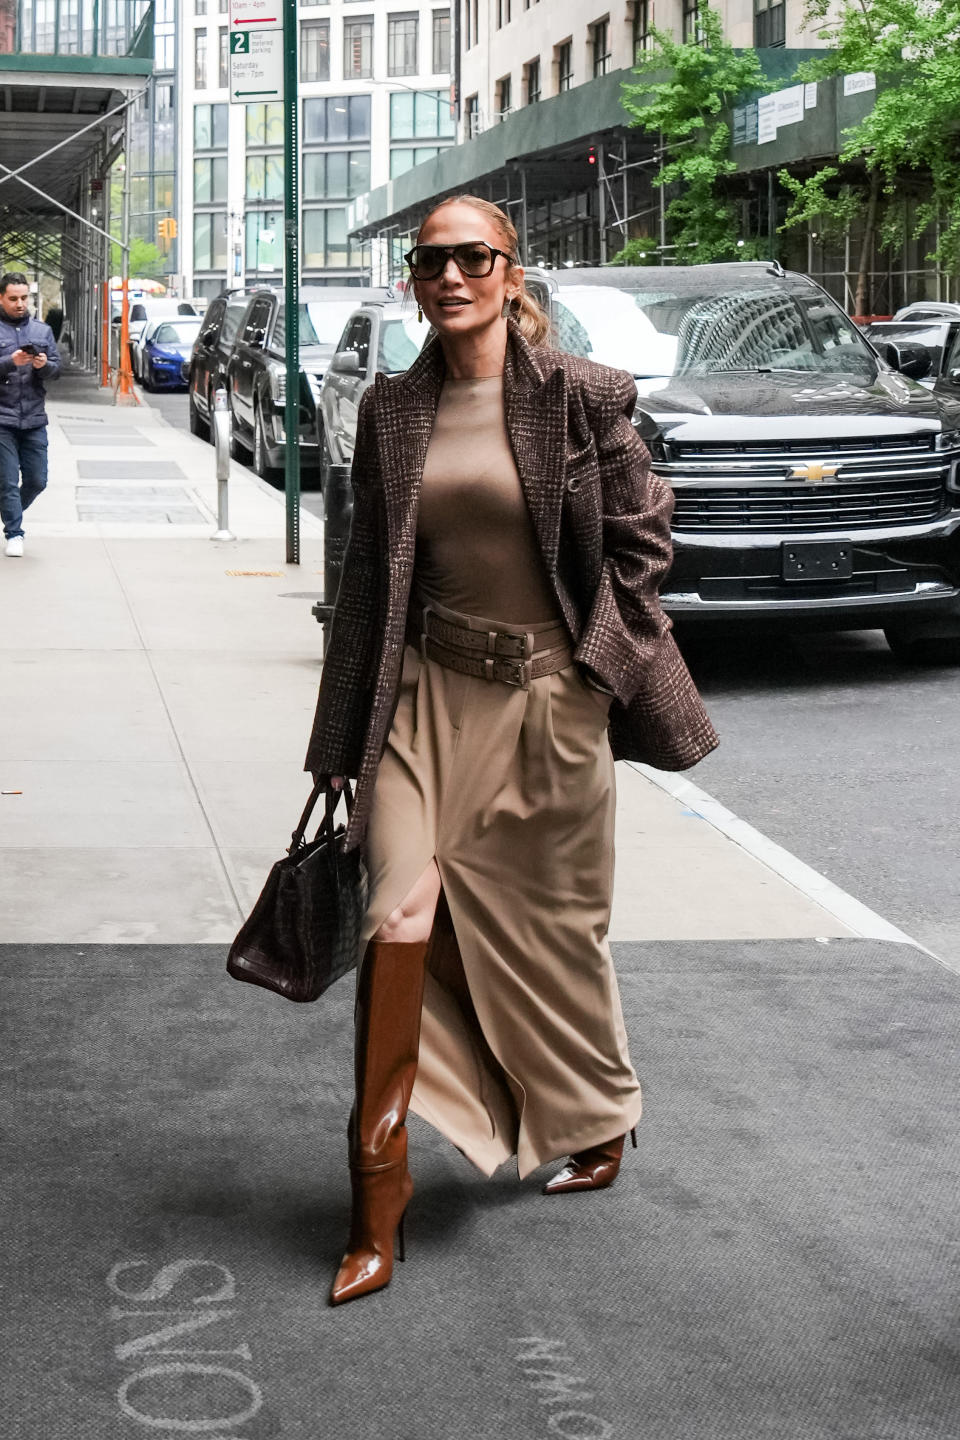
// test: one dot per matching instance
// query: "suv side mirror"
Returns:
(911, 360)
(346, 362)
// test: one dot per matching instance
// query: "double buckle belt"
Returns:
(507, 656)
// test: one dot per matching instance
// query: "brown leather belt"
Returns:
(511, 657)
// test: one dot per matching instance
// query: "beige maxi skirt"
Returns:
(523, 1049)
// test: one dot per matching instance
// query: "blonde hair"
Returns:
(532, 319)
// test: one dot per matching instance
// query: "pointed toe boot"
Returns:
(592, 1169)
(389, 1004)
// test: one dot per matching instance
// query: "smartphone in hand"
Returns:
(30, 348)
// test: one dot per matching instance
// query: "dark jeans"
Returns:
(22, 452)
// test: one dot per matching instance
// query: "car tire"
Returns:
(145, 379)
(261, 463)
(912, 649)
(198, 426)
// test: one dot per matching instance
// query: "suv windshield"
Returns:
(660, 333)
(321, 323)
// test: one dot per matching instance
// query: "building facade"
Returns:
(374, 102)
(513, 53)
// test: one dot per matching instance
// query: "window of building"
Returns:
(200, 60)
(358, 49)
(264, 125)
(224, 58)
(564, 54)
(314, 49)
(200, 7)
(210, 180)
(223, 6)
(441, 42)
(691, 28)
(471, 117)
(210, 126)
(264, 237)
(402, 44)
(164, 50)
(325, 242)
(210, 240)
(420, 115)
(641, 29)
(600, 45)
(305, 3)
(503, 13)
(769, 23)
(335, 174)
(264, 177)
(469, 10)
(532, 77)
(336, 118)
(504, 93)
(404, 157)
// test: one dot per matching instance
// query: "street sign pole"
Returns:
(291, 275)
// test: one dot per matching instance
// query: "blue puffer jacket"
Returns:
(23, 389)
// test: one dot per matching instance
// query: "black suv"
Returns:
(256, 368)
(817, 484)
(206, 370)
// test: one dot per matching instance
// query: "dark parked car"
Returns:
(936, 337)
(164, 346)
(257, 374)
(207, 366)
(816, 486)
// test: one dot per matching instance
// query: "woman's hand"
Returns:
(335, 782)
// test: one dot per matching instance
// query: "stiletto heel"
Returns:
(633, 1136)
(401, 1242)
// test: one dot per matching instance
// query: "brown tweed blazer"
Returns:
(602, 520)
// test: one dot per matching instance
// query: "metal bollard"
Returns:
(221, 421)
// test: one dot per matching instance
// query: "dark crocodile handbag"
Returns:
(304, 931)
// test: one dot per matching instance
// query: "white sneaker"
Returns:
(15, 546)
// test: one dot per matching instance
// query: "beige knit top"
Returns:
(476, 547)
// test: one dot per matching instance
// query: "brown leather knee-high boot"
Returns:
(389, 1004)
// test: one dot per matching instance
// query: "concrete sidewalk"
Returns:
(159, 689)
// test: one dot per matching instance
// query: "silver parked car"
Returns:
(379, 336)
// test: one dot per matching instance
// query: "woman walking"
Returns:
(498, 641)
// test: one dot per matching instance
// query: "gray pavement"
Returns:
(775, 1260)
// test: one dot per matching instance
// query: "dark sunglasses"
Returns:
(474, 259)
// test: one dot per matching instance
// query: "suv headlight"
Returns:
(314, 382)
(278, 384)
(948, 440)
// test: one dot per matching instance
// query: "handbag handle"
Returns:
(330, 807)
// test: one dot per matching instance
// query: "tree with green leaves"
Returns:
(913, 48)
(146, 259)
(682, 93)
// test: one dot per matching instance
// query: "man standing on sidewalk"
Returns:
(28, 358)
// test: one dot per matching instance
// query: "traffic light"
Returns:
(167, 229)
(592, 155)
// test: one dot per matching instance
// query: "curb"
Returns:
(851, 912)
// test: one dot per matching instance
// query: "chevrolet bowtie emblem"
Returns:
(815, 473)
